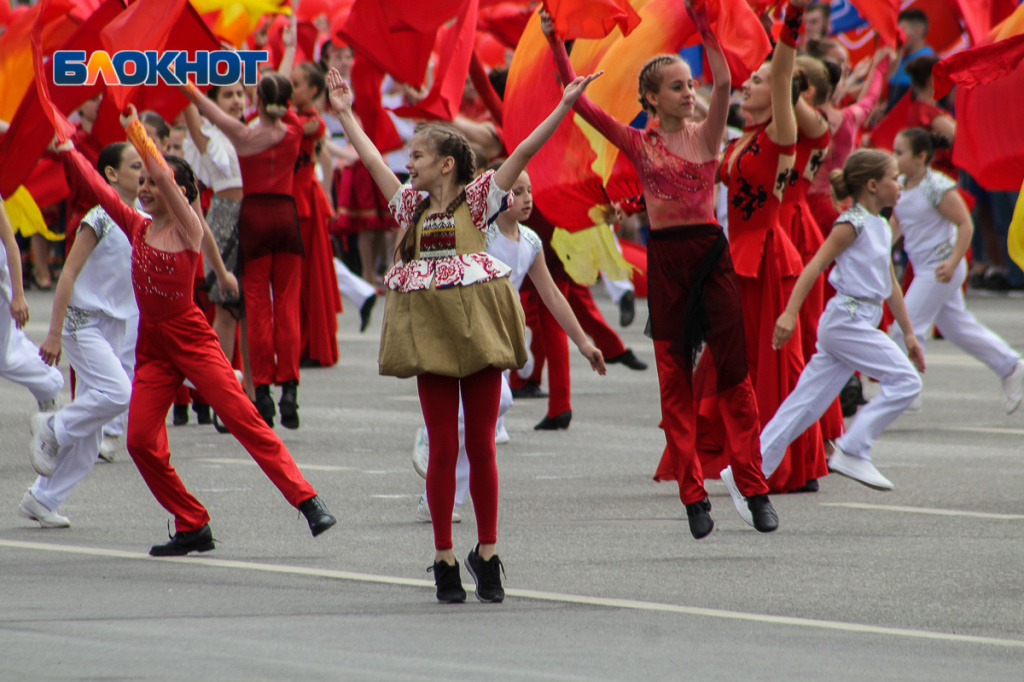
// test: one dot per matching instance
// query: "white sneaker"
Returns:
(1013, 387)
(43, 449)
(860, 470)
(501, 435)
(916, 406)
(423, 512)
(421, 453)
(33, 509)
(737, 498)
(108, 447)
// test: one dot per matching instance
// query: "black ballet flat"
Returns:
(559, 423)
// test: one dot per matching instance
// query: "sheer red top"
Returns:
(271, 171)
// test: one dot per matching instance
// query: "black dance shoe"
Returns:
(265, 404)
(529, 390)
(217, 424)
(448, 581)
(627, 309)
(810, 486)
(628, 359)
(763, 513)
(316, 514)
(289, 405)
(202, 411)
(185, 541)
(179, 416)
(487, 575)
(699, 517)
(364, 312)
(559, 423)
(852, 396)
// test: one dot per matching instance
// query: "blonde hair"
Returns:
(862, 166)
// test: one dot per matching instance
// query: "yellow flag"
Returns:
(1015, 238)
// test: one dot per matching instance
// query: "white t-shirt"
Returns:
(518, 255)
(862, 270)
(104, 286)
(928, 236)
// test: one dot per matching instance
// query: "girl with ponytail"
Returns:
(848, 336)
(452, 318)
(936, 227)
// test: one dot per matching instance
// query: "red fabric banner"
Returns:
(978, 65)
(366, 81)
(989, 140)
(881, 14)
(49, 10)
(591, 18)
(417, 16)
(506, 22)
(741, 35)
(404, 54)
(889, 127)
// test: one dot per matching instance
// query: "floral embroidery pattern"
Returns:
(747, 200)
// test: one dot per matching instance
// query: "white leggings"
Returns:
(103, 390)
(848, 340)
(932, 302)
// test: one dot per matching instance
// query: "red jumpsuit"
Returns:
(756, 171)
(270, 245)
(176, 342)
(320, 301)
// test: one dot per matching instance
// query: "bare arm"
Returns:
(19, 306)
(194, 123)
(508, 173)
(899, 313)
(782, 129)
(718, 105)
(226, 281)
(838, 240)
(240, 135)
(288, 38)
(809, 120)
(483, 134)
(341, 100)
(559, 307)
(953, 208)
(85, 243)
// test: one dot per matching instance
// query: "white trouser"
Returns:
(462, 466)
(617, 288)
(351, 286)
(116, 426)
(848, 340)
(20, 361)
(103, 392)
(932, 302)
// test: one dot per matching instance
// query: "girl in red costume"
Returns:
(176, 342)
(320, 301)
(692, 296)
(269, 239)
(452, 318)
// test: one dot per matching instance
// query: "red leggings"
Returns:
(439, 399)
(274, 334)
(182, 346)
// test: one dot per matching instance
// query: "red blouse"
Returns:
(756, 177)
(271, 170)
(305, 185)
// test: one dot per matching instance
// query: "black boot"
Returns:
(185, 541)
(289, 405)
(557, 423)
(202, 411)
(697, 514)
(179, 415)
(317, 515)
(265, 404)
(448, 581)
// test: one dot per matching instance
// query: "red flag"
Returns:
(881, 14)
(506, 22)
(404, 54)
(366, 81)
(417, 16)
(889, 127)
(989, 140)
(444, 98)
(979, 16)
(978, 65)
(741, 35)
(48, 11)
(591, 18)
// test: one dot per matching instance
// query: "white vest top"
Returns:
(518, 255)
(862, 270)
(104, 286)
(928, 236)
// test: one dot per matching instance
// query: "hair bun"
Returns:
(941, 141)
(835, 71)
(840, 189)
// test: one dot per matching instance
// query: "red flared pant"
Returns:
(272, 285)
(439, 400)
(168, 351)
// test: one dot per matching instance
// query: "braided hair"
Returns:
(650, 77)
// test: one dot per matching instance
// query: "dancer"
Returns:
(517, 246)
(269, 239)
(848, 336)
(176, 342)
(692, 295)
(451, 317)
(930, 209)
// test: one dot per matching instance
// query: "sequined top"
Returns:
(163, 280)
(676, 169)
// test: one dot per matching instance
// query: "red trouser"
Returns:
(182, 346)
(594, 325)
(550, 344)
(439, 400)
(738, 411)
(274, 335)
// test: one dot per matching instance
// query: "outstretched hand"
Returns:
(132, 115)
(573, 90)
(547, 24)
(339, 92)
(594, 356)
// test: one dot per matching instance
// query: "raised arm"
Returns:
(241, 135)
(509, 171)
(809, 121)
(79, 168)
(872, 89)
(782, 129)
(194, 123)
(340, 95)
(713, 126)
